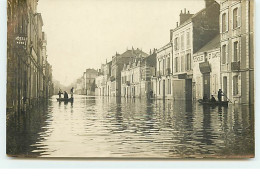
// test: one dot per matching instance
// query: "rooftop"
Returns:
(211, 45)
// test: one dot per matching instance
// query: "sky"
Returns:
(84, 34)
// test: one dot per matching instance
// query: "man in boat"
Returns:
(212, 99)
(220, 94)
(60, 93)
(71, 92)
(205, 97)
(66, 95)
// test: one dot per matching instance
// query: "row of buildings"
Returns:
(29, 75)
(210, 50)
(127, 74)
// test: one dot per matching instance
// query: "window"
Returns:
(168, 66)
(188, 38)
(235, 85)
(176, 43)
(224, 54)
(159, 67)
(169, 86)
(159, 87)
(224, 22)
(235, 18)
(235, 52)
(182, 63)
(176, 65)
(188, 62)
(182, 41)
(163, 67)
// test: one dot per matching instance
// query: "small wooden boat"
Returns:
(210, 103)
(65, 99)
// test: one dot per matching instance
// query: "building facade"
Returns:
(25, 56)
(237, 50)
(174, 73)
(118, 63)
(89, 81)
(206, 70)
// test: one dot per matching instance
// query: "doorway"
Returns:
(206, 84)
(225, 87)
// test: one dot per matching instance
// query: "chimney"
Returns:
(208, 3)
(177, 24)
(185, 16)
(171, 34)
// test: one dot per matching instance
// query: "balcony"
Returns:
(112, 78)
(235, 66)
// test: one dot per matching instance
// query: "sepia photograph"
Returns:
(130, 79)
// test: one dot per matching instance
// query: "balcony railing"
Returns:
(235, 66)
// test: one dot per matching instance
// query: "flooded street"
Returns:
(120, 127)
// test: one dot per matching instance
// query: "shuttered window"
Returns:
(224, 22)
(224, 54)
(235, 50)
(235, 18)
(235, 85)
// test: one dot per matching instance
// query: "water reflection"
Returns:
(125, 127)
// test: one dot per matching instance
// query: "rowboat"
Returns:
(210, 103)
(65, 99)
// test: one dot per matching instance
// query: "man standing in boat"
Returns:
(220, 94)
(71, 92)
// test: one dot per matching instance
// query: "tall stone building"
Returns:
(174, 72)
(237, 50)
(25, 56)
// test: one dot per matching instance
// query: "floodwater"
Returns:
(132, 128)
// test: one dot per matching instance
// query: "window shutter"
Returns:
(220, 22)
(227, 18)
(238, 51)
(227, 53)
(239, 16)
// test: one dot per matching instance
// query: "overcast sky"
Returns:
(84, 33)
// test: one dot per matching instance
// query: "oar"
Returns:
(227, 97)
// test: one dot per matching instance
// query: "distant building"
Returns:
(118, 62)
(102, 87)
(237, 50)
(136, 77)
(206, 69)
(89, 80)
